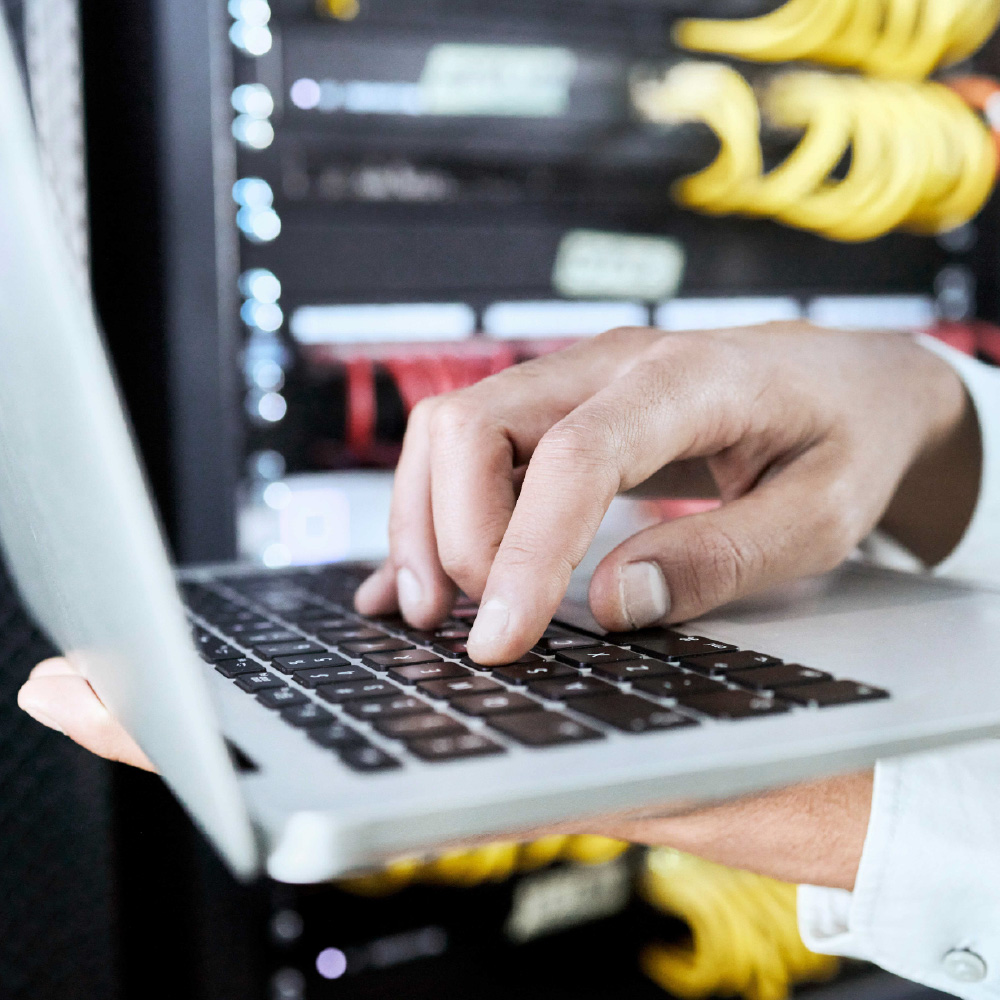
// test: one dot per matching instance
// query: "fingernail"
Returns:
(643, 593)
(27, 705)
(409, 591)
(491, 622)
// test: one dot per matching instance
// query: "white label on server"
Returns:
(615, 265)
(520, 81)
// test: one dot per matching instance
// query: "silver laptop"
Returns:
(308, 742)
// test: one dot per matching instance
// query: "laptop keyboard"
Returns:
(292, 641)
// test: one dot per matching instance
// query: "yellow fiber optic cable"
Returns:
(491, 863)
(905, 39)
(744, 935)
(798, 102)
(720, 97)
(920, 157)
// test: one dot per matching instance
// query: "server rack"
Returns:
(376, 201)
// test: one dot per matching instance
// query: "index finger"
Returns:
(483, 434)
(673, 405)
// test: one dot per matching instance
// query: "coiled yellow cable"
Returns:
(492, 863)
(906, 39)
(920, 157)
(744, 934)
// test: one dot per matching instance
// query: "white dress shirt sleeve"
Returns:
(926, 903)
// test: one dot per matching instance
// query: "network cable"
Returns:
(904, 39)
(874, 155)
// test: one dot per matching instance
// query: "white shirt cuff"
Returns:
(926, 903)
(977, 555)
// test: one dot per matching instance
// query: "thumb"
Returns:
(800, 522)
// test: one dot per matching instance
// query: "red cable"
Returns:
(361, 407)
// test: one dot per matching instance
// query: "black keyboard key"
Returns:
(316, 625)
(450, 647)
(374, 646)
(271, 635)
(828, 693)
(669, 645)
(303, 716)
(238, 618)
(734, 704)
(338, 636)
(338, 693)
(335, 735)
(675, 684)
(258, 682)
(562, 689)
(526, 659)
(552, 644)
(233, 668)
(631, 670)
(465, 614)
(631, 714)
(401, 658)
(522, 673)
(444, 748)
(458, 687)
(594, 656)
(368, 758)
(417, 727)
(721, 663)
(272, 650)
(781, 675)
(283, 697)
(290, 664)
(320, 617)
(386, 708)
(543, 729)
(242, 630)
(315, 677)
(455, 632)
(427, 671)
(212, 649)
(492, 703)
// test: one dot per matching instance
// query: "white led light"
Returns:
(277, 495)
(272, 407)
(257, 133)
(268, 376)
(259, 225)
(266, 316)
(260, 284)
(267, 464)
(305, 94)
(253, 193)
(253, 99)
(253, 39)
(277, 555)
(253, 12)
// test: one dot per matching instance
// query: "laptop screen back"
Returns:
(76, 523)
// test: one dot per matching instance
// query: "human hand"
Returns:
(808, 833)
(58, 696)
(812, 437)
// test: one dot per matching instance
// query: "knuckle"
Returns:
(453, 416)
(421, 414)
(720, 565)
(623, 336)
(462, 567)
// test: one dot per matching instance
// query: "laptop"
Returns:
(308, 742)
